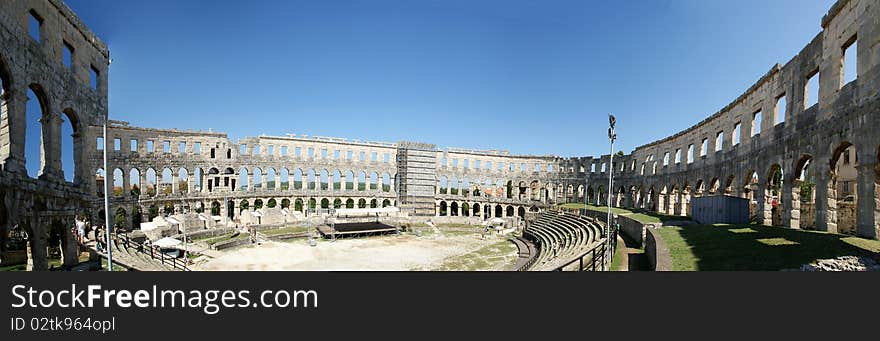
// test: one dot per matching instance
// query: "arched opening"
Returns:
(349, 181)
(167, 178)
(444, 185)
(386, 203)
(258, 179)
(136, 218)
(349, 203)
(120, 220)
(374, 203)
(284, 179)
(244, 205)
(325, 181)
(453, 207)
(271, 203)
(100, 177)
(521, 212)
(230, 211)
(36, 114)
(215, 208)
(153, 212)
(362, 181)
(243, 181)
(773, 197)
(118, 183)
(499, 211)
(258, 204)
(298, 179)
(443, 209)
(803, 194)
(310, 179)
(71, 141)
(374, 181)
(337, 180)
(182, 181)
(134, 180)
(750, 186)
(285, 203)
(510, 211)
(168, 209)
(298, 205)
(477, 211)
(271, 179)
(362, 203)
(386, 182)
(337, 203)
(842, 190)
(466, 209)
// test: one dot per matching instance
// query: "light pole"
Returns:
(611, 137)
(107, 204)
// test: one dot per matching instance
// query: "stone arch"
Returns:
(134, 182)
(841, 190)
(803, 194)
(337, 180)
(71, 146)
(38, 116)
(310, 180)
(297, 179)
(773, 196)
(444, 209)
(243, 178)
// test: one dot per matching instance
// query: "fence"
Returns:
(153, 252)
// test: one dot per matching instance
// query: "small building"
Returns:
(720, 209)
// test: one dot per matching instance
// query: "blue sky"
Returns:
(532, 77)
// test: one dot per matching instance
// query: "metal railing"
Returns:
(154, 253)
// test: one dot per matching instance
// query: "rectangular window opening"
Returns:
(850, 72)
(811, 92)
(781, 107)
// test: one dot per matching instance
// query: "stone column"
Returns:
(69, 246)
(142, 185)
(250, 177)
(51, 148)
(866, 211)
(191, 182)
(826, 202)
(79, 169)
(791, 203)
(126, 183)
(38, 240)
(11, 131)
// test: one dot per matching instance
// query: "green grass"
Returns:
(285, 230)
(641, 216)
(753, 247)
(497, 256)
(617, 262)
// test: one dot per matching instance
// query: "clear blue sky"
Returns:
(532, 77)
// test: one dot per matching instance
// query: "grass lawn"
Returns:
(617, 261)
(641, 216)
(752, 247)
(497, 256)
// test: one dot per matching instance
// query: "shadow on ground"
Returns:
(750, 247)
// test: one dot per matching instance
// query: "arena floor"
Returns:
(440, 251)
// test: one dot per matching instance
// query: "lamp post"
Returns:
(107, 204)
(611, 137)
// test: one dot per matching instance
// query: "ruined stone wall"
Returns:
(45, 205)
(846, 114)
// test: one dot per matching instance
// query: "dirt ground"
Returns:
(395, 253)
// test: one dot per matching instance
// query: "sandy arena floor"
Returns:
(404, 252)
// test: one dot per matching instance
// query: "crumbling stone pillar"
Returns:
(792, 203)
(825, 217)
(14, 128)
(866, 224)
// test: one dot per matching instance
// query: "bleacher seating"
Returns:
(561, 238)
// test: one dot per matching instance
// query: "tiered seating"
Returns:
(561, 238)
